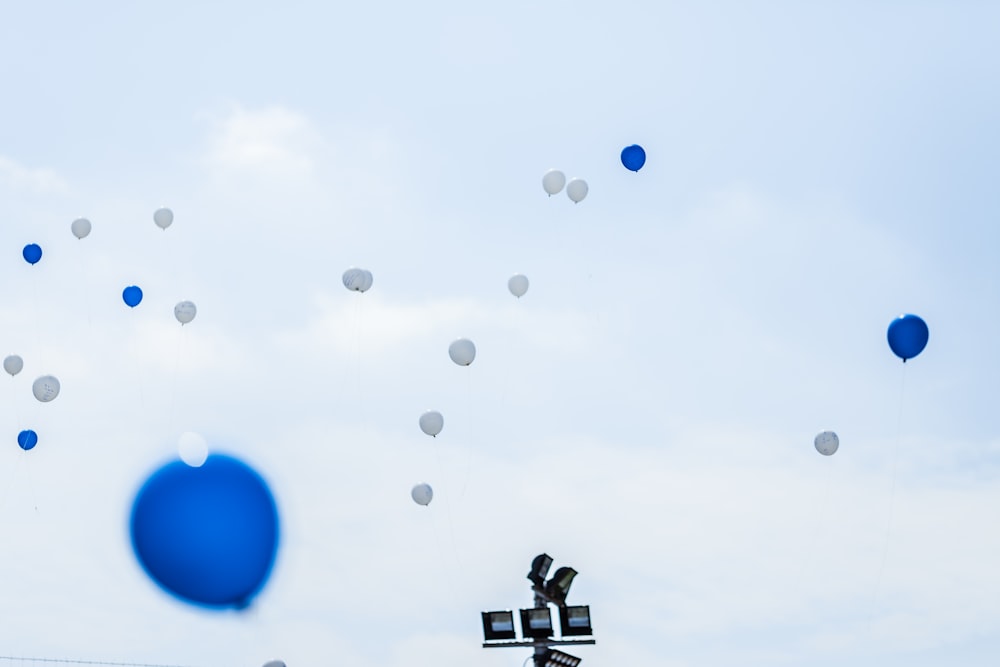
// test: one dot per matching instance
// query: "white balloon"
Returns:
(431, 422)
(185, 311)
(13, 364)
(45, 388)
(518, 285)
(163, 217)
(576, 190)
(827, 443)
(462, 351)
(422, 494)
(357, 280)
(553, 181)
(192, 448)
(80, 227)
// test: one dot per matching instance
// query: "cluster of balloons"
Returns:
(208, 534)
(554, 180)
(45, 389)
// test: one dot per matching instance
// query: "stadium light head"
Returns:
(557, 587)
(539, 569)
(575, 620)
(498, 625)
(554, 658)
(536, 623)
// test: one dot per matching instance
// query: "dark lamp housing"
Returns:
(539, 568)
(554, 658)
(557, 587)
(575, 620)
(536, 622)
(498, 625)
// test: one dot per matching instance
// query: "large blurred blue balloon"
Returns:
(633, 157)
(208, 535)
(27, 439)
(907, 336)
(132, 295)
(32, 253)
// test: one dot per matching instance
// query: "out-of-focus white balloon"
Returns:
(553, 181)
(431, 422)
(357, 280)
(576, 190)
(275, 663)
(518, 285)
(422, 494)
(163, 217)
(827, 443)
(462, 351)
(80, 227)
(13, 364)
(185, 311)
(192, 448)
(45, 388)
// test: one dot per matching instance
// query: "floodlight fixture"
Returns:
(575, 620)
(557, 587)
(536, 622)
(539, 569)
(554, 658)
(498, 625)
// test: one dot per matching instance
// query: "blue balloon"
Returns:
(132, 296)
(907, 336)
(633, 157)
(27, 439)
(207, 535)
(32, 253)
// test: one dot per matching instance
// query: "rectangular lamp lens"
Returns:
(578, 617)
(502, 622)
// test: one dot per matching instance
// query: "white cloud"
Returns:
(32, 180)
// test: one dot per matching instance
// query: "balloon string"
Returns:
(892, 497)
(817, 532)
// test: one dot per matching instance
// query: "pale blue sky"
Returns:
(813, 171)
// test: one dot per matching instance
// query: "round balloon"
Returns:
(185, 311)
(462, 351)
(422, 494)
(553, 181)
(32, 253)
(633, 157)
(132, 295)
(357, 280)
(163, 217)
(13, 364)
(908, 335)
(577, 190)
(827, 443)
(27, 439)
(45, 388)
(518, 285)
(431, 422)
(207, 535)
(80, 227)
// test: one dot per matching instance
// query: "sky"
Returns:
(645, 413)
